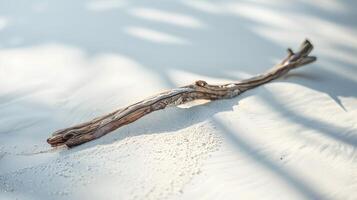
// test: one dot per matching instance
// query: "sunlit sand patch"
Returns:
(154, 36)
(173, 18)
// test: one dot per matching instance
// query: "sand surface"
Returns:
(66, 62)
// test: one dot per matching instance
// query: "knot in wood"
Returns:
(201, 83)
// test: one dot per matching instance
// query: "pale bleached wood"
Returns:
(100, 126)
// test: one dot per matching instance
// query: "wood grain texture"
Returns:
(100, 126)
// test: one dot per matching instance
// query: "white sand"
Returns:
(65, 62)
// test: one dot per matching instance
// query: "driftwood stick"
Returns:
(100, 126)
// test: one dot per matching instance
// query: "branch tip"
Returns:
(290, 52)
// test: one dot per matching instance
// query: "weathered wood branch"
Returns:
(100, 126)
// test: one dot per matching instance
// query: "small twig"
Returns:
(100, 126)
